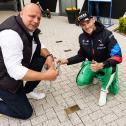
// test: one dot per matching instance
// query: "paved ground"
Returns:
(61, 37)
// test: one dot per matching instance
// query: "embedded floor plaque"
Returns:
(67, 50)
(58, 41)
(72, 109)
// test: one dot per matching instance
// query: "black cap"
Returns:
(84, 16)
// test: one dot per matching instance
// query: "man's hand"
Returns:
(49, 61)
(62, 61)
(95, 66)
(52, 73)
(49, 57)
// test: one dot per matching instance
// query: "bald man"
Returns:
(22, 57)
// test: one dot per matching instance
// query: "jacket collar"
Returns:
(99, 28)
(20, 22)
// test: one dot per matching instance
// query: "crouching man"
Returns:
(22, 57)
(100, 53)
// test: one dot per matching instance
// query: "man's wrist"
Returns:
(49, 55)
(101, 65)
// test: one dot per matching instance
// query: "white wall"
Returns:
(80, 3)
(27, 1)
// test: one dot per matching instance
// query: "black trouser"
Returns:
(36, 64)
(43, 3)
(17, 105)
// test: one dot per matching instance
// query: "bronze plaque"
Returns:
(67, 50)
(72, 109)
(58, 41)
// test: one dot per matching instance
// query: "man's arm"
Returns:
(12, 47)
(72, 60)
(77, 58)
(49, 57)
(44, 52)
(115, 55)
(114, 52)
(50, 74)
(32, 75)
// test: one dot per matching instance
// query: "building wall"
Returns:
(51, 4)
(118, 8)
(80, 3)
(66, 4)
(62, 4)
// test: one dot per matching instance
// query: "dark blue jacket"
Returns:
(100, 46)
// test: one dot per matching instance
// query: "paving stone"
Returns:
(4, 121)
(96, 115)
(38, 110)
(26, 123)
(52, 122)
(81, 103)
(74, 119)
(93, 106)
(109, 118)
(84, 112)
(87, 121)
(50, 114)
(46, 105)
(99, 122)
(50, 99)
(59, 99)
(80, 124)
(38, 120)
(68, 94)
(58, 92)
(14, 122)
(62, 116)
(112, 124)
(106, 109)
(65, 123)
(121, 121)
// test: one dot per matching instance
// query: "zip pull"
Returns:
(93, 61)
(93, 52)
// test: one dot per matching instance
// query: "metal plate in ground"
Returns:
(59, 41)
(67, 50)
(72, 109)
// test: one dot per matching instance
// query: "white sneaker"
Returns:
(103, 97)
(36, 95)
(1, 115)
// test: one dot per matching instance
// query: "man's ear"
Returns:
(94, 19)
(21, 13)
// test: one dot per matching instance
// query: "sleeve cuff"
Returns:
(19, 74)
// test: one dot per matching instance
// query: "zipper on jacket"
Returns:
(92, 50)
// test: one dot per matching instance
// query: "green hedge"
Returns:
(122, 25)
